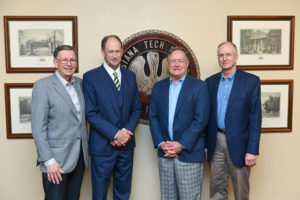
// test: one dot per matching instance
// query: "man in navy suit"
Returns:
(234, 126)
(113, 109)
(179, 112)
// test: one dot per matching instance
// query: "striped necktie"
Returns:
(116, 81)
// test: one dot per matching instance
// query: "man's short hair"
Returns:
(61, 48)
(227, 42)
(180, 49)
(104, 40)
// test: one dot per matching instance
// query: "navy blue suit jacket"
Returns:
(102, 110)
(242, 119)
(190, 119)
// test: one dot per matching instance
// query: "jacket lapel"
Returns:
(123, 89)
(165, 99)
(234, 89)
(64, 94)
(182, 94)
(215, 96)
(109, 86)
(80, 98)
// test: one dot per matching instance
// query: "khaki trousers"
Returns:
(221, 168)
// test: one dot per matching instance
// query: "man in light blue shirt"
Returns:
(224, 90)
(173, 97)
(179, 112)
(234, 126)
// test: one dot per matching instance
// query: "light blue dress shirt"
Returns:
(173, 97)
(224, 90)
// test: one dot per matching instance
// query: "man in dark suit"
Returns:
(113, 109)
(234, 126)
(179, 112)
(59, 127)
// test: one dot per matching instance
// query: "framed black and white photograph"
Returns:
(18, 109)
(277, 105)
(263, 42)
(31, 40)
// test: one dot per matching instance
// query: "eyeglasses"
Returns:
(174, 61)
(227, 55)
(66, 60)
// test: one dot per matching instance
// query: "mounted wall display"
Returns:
(263, 42)
(18, 109)
(277, 105)
(145, 53)
(31, 40)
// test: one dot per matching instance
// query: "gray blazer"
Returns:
(56, 130)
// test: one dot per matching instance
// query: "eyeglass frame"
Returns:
(65, 61)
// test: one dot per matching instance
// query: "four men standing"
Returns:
(180, 109)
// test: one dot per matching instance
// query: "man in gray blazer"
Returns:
(59, 127)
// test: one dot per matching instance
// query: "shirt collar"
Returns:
(230, 77)
(110, 71)
(180, 81)
(62, 80)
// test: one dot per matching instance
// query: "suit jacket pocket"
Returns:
(56, 143)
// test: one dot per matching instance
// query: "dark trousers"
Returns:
(119, 163)
(69, 188)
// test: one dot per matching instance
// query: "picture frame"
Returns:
(263, 42)
(18, 110)
(277, 105)
(31, 40)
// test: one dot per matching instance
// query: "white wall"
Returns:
(202, 25)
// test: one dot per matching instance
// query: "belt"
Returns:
(221, 130)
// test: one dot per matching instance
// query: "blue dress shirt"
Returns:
(173, 97)
(224, 90)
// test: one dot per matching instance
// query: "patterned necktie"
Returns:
(116, 81)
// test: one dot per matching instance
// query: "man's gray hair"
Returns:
(180, 49)
(227, 42)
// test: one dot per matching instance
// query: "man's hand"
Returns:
(250, 159)
(171, 148)
(205, 150)
(115, 143)
(54, 173)
(123, 136)
(168, 153)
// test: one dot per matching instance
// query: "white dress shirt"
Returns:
(111, 72)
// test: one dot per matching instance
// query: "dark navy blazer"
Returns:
(242, 119)
(102, 109)
(190, 119)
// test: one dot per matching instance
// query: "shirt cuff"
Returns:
(49, 162)
(160, 144)
(118, 133)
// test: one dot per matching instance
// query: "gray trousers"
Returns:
(221, 167)
(180, 180)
